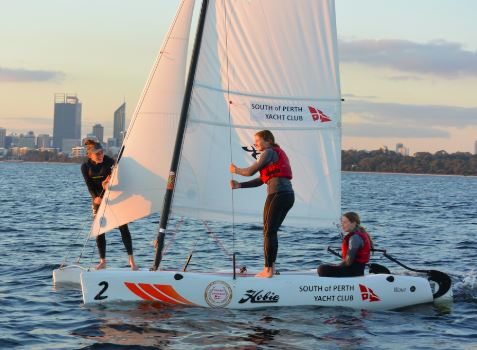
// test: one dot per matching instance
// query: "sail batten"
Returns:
(271, 97)
(253, 127)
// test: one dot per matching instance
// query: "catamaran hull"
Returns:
(70, 274)
(216, 290)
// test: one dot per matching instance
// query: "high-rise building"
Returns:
(78, 152)
(475, 147)
(43, 141)
(401, 149)
(98, 131)
(119, 124)
(28, 140)
(3, 135)
(12, 140)
(68, 145)
(112, 142)
(67, 119)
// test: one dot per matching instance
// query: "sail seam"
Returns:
(254, 127)
(270, 97)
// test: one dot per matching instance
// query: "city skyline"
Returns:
(407, 76)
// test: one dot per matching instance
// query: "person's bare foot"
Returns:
(101, 265)
(266, 273)
(134, 267)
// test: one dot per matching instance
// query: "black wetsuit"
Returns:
(279, 201)
(94, 174)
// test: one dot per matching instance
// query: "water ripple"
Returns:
(426, 221)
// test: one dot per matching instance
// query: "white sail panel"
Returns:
(268, 64)
(138, 183)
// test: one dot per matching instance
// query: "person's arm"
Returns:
(88, 181)
(109, 164)
(265, 159)
(252, 183)
(355, 244)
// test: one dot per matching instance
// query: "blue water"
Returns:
(426, 221)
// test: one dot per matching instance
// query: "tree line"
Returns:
(441, 162)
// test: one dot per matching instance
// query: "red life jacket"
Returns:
(279, 169)
(364, 253)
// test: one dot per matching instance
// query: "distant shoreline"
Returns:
(343, 171)
(391, 173)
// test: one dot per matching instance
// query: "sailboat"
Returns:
(256, 64)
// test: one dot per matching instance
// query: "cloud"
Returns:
(357, 96)
(439, 57)
(405, 78)
(404, 120)
(39, 124)
(391, 131)
(424, 116)
(20, 75)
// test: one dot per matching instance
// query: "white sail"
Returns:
(264, 64)
(138, 184)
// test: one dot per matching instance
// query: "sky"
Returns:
(408, 68)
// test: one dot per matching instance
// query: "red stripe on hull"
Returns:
(170, 291)
(149, 289)
(136, 290)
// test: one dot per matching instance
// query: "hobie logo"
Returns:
(368, 294)
(259, 297)
(318, 115)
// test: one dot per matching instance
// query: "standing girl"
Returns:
(96, 172)
(275, 171)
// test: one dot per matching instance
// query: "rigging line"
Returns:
(229, 102)
(91, 258)
(178, 225)
(85, 242)
(86, 239)
(73, 243)
(216, 239)
(94, 217)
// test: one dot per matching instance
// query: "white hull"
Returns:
(371, 292)
(70, 274)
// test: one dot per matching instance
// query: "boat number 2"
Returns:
(100, 295)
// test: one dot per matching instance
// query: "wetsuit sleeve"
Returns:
(87, 180)
(265, 158)
(252, 183)
(109, 164)
(355, 244)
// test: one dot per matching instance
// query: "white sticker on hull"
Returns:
(338, 292)
(218, 294)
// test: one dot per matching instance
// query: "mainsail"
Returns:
(138, 183)
(264, 64)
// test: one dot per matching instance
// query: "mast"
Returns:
(179, 139)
